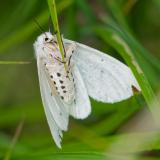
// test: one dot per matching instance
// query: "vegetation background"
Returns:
(126, 29)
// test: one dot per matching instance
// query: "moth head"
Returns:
(46, 37)
(46, 41)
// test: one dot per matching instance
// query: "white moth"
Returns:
(89, 73)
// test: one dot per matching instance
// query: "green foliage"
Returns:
(125, 29)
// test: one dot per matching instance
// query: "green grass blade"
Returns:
(14, 140)
(24, 32)
(123, 27)
(53, 13)
(66, 156)
(117, 13)
(14, 62)
(118, 43)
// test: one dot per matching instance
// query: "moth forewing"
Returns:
(56, 128)
(58, 111)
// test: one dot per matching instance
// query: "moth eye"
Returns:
(46, 39)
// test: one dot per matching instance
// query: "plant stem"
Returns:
(14, 62)
(14, 140)
(53, 13)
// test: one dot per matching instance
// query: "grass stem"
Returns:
(14, 140)
(53, 13)
(14, 62)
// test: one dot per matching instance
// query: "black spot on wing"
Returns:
(58, 74)
(61, 81)
(62, 87)
(51, 76)
(62, 97)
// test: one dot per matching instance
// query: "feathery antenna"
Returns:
(38, 25)
(50, 25)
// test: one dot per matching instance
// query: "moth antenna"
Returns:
(50, 24)
(39, 26)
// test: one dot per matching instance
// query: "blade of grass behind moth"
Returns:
(139, 53)
(87, 136)
(88, 12)
(10, 25)
(114, 7)
(19, 148)
(144, 141)
(125, 29)
(117, 119)
(14, 62)
(70, 24)
(23, 33)
(68, 156)
(120, 149)
(134, 142)
(119, 44)
(14, 140)
(120, 18)
(133, 41)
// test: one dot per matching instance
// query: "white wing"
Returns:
(57, 115)
(81, 108)
(106, 79)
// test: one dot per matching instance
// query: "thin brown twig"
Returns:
(14, 140)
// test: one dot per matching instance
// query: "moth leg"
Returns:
(69, 60)
(59, 60)
(70, 50)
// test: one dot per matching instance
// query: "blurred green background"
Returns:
(112, 130)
